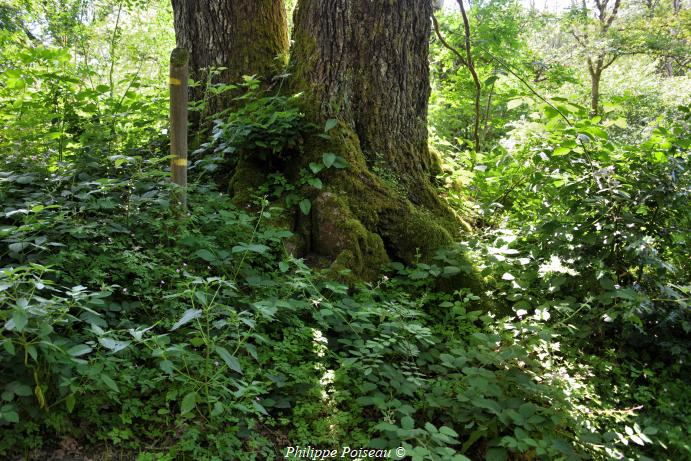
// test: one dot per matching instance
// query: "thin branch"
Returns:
(446, 44)
(476, 79)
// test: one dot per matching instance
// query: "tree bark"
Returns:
(595, 92)
(248, 37)
(365, 64)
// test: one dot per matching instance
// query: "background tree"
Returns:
(593, 37)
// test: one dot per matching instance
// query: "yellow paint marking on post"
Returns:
(175, 81)
(180, 162)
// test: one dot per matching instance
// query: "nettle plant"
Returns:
(42, 345)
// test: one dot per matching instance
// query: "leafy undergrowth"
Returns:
(154, 336)
(128, 331)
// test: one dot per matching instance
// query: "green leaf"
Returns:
(448, 431)
(316, 167)
(328, 158)
(561, 151)
(218, 409)
(189, 403)
(206, 255)
(188, 316)
(340, 163)
(514, 103)
(407, 423)
(18, 246)
(70, 401)
(20, 319)
(22, 390)
(305, 206)
(113, 344)
(450, 271)
(330, 125)
(10, 416)
(79, 350)
(167, 366)
(107, 380)
(254, 248)
(9, 347)
(315, 182)
(230, 360)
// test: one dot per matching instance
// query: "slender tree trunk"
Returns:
(595, 91)
(248, 37)
(365, 64)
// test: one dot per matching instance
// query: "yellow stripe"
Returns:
(175, 81)
(180, 162)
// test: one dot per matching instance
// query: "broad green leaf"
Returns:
(108, 381)
(230, 360)
(253, 247)
(20, 319)
(187, 316)
(22, 390)
(305, 206)
(206, 255)
(113, 344)
(10, 416)
(448, 431)
(328, 158)
(167, 366)
(330, 125)
(70, 401)
(315, 182)
(189, 403)
(316, 167)
(18, 246)
(340, 163)
(79, 350)
(218, 409)
(407, 423)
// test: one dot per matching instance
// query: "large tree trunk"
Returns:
(365, 64)
(248, 37)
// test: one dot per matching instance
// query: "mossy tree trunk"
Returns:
(248, 37)
(365, 63)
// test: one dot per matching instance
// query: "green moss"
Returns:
(179, 57)
(247, 178)
(344, 239)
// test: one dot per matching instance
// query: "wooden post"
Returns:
(178, 125)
